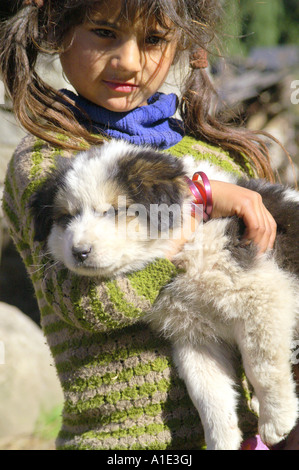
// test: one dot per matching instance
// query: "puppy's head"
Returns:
(105, 211)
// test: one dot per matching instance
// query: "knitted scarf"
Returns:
(152, 124)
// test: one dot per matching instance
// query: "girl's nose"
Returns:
(127, 57)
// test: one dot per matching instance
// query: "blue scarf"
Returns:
(152, 124)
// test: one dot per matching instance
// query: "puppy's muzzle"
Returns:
(81, 253)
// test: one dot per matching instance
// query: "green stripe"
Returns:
(55, 327)
(11, 175)
(117, 416)
(98, 308)
(154, 429)
(215, 155)
(98, 339)
(37, 156)
(46, 311)
(167, 407)
(36, 168)
(49, 290)
(152, 278)
(129, 393)
(134, 431)
(12, 217)
(99, 313)
(91, 361)
(133, 413)
(62, 275)
(22, 247)
(36, 159)
(41, 260)
(117, 297)
(196, 442)
(94, 382)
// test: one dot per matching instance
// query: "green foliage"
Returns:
(260, 23)
(49, 424)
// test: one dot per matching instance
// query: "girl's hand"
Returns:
(230, 199)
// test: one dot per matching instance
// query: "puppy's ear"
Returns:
(152, 177)
(42, 201)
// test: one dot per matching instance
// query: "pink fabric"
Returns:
(254, 443)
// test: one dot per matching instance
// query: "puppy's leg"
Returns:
(266, 359)
(209, 378)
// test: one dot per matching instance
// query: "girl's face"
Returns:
(115, 64)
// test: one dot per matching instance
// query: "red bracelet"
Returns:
(208, 190)
(202, 194)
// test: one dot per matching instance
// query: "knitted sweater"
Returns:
(120, 386)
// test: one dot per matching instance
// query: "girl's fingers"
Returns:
(230, 199)
(261, 227)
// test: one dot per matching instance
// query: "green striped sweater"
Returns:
(120, 387)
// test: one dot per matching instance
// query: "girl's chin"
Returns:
(120, 105)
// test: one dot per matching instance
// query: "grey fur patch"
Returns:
(286, 214)
(243, 253)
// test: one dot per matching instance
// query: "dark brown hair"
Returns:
(42, 110)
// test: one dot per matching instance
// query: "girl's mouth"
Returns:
(123, 87)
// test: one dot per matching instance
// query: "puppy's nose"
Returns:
(81, 253)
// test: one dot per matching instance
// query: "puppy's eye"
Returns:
(63, 220)
(111, 212)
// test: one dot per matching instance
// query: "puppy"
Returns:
(116, 208)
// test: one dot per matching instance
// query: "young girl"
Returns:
(121, 388)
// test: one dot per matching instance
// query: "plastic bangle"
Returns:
(208, 190)
(202, 194)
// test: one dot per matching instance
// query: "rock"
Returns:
(24, 442)
(29, 386)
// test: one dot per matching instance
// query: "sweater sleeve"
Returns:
(88, 303)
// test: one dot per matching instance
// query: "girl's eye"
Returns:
(104, 33)
(154, 40)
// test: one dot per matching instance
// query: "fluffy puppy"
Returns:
(117, 207)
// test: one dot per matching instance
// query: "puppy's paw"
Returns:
(277, 427)
(230, 439)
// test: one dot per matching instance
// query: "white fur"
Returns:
(208, 310)
(291, 195)
(216, 303)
